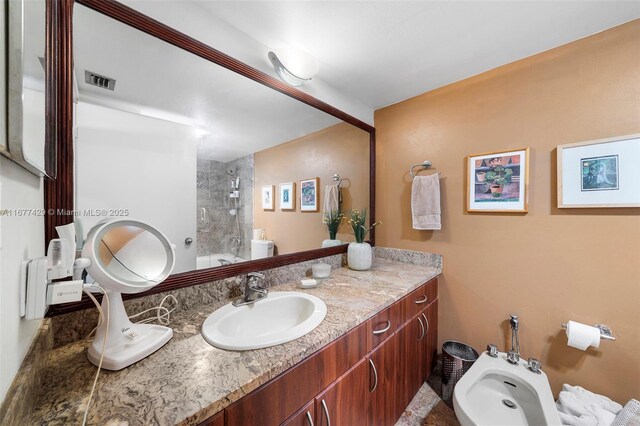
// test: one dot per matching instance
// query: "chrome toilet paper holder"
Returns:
(605, 331)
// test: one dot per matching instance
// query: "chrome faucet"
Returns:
(513, 355)
(252, 290)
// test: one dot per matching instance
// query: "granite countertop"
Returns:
(189, 380)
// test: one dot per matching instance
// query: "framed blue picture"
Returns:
(599, 173)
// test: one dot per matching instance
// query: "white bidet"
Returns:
(494, 392)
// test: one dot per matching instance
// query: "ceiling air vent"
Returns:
(99, 80)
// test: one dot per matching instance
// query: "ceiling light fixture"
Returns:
(293, 66)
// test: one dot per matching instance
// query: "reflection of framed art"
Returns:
(498, 182)
(288, 196)
(309, 195)
(600, 173)
(267, 197)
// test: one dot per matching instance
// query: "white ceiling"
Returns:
(382, 52)
(232, 115)
(375, 53)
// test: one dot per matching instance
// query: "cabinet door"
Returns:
(276, 401)
(383, 365)
(346, 401)
(304, 417)
(410, 367)
(430, 343)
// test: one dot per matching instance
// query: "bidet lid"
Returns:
(128, 256)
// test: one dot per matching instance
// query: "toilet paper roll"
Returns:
(257, 233)
(581, 336)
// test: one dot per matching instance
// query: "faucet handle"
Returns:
(513, 357)
(255, 275)
(534, 365)
(492, 350)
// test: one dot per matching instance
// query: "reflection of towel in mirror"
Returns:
(578, 406)
(425, 202)
(331, 198)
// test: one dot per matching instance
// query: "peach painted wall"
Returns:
(342, 149)
(549, 265)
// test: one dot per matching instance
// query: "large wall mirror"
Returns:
(235, 173)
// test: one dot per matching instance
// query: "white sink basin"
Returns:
(281, 317)
(494, 392)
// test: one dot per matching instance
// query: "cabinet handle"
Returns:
(375, 376)
(421, 328)
(309, 419)
(384, 330)
(421, 301)
(426, 321)
(326, 412)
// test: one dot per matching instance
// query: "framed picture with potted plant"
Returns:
(498, 182)
(268, 202)
(309, 195)
(288, 196)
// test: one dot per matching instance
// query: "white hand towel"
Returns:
(331, 198)
(425, 202)
(588, 397)
(570, 420)
(573, 412)
(605, 418)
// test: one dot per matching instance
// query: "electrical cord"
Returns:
(163, 315)
(104, 343)
(163, 318)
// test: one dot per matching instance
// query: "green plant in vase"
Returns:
(497, 177)
(333, 219)
(359, 255)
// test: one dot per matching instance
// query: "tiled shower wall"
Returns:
(216, 224)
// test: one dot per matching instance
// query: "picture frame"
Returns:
(310, 195)
(498, 182)
(268, 200)
(288, 196)
(602, 173)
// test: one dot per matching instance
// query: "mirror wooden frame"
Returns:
(59, 199)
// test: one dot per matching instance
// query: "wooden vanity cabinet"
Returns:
(366, 377)
(215, 420)
(382, 325)
(346, 401)
(275, 401)
(416, 301)
(304, 417)
(410, 369)
(430, 347)
(383, 366)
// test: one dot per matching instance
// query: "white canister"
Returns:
(359, 256)
(321, 270)
(258, 234)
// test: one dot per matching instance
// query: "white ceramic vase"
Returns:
(359, 256)
(331, 243)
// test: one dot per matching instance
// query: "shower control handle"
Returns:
(188, 241)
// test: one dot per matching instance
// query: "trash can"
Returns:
(457, 358)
